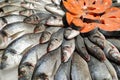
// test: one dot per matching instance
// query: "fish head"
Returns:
(41, 76)
(10, 59)
(66, 53)
(25, 12)
(54, 43)
(3, 22)
(50, 20)
(39, 28)
(45, 37)
(33, 19)
(25, 71)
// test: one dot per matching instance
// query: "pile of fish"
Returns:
(35, 38)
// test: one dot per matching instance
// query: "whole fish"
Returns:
(29, 12)
(98, 70)
(13, 31)
(98, 38)
(47, 66)
(27, 64)
(10, 8)
(117, 69)
(14, 52)
(111, 70)
(79, 68)
(71, 33)
(56, 40)
(55, 21)
(81, 48)
(68, 47)
(46, 35)
(10, 19)
(115, 42)
(36, 18)
(56, 2)
(63, 73)
(112, 52)
(40, 27)
(54, 9)
(95, 50)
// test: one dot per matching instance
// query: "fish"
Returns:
(95, 50)
(46, 35)
(36, 18)
(68, 48)
(81, 48)
(116, 4)
(112, 52)
(15, 51)
(54, 9)
(111, 69)
(79, 68)
(13, 31)
(56, 40)
(115, 42)
(56, 2)
(47, 66)
(29, 60)
(8, 19)
(55, 21)
(40, 27)
(9, 8)
(98, 38)
(63, 72)
(70, 33)
(29, 12)
(117, 69)
(98, 70)
(1, 53)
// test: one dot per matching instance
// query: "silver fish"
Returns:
(81, 48)
(14, 52)
(46, 35)
(36, 18)
(68, 48)
(98, 38)
(27, 64)
(98, 70)
(95, 50)
(56, 40)
(40, 27)
(111, 70)
(112, 52)
(10, 19)
(71, 33)
(13, 31)
(29, 12)
(56, 2)
(55, 21)
(63, 73)
(79, 68)
(47, 66)
(54, 9)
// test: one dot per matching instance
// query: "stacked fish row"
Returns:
(35, 38)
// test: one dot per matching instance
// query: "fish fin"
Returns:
(16, 34)
(27, 49)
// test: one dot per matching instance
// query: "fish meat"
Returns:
(14, 52)
(56, 40)
(112, 52)
(94, 50)
(46, 35)
(13, 31)
(56, 21)
(98, 70)
(81, 48)
(68, 47)
(29, 60)
(70, 33)
(47, 66)
(79, 68)
(36, 18)
(54, 9)
(10, 19)
(63, 72)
